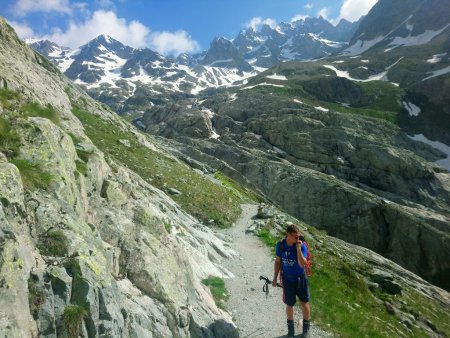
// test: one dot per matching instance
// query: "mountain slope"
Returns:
(82, 233)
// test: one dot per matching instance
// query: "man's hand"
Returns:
(274, 283)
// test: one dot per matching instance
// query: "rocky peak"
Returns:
(103, 44)
(222, 53)
(46, 47)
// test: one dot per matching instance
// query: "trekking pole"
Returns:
(265, 287)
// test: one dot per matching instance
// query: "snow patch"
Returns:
(438, 73)
(438, 145)
(436, 58)
(233, 97)
(277, 77)
(361, 46)
(263, 84)
(412, 109)
(417, 40)
(345, 74)
(298, 101)
(321, 108)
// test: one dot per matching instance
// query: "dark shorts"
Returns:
(299, 289)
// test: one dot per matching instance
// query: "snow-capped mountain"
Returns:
(109, 68)
(301, 40)
(122, 76)
(60, 56)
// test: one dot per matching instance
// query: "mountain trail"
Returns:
(253, 313)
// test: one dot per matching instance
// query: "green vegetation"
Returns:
(36, 296)
(6, 96)
(33, 176)
(246, 195)
(218, 291)
(44, 62)
(199, 195)
(9, 139)
(268, 238)
(343, 301)
(36, 109)
(73, 318)
(53, 243)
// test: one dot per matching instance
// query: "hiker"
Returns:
(291, 262)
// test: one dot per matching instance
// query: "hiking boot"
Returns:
(291, 329)
(306, 327)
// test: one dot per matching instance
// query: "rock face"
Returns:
(95, 251)
(174, 121)
(362, 180)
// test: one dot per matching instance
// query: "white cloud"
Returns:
(324, 12)
(352, 10)
(257, 22)
(173, 43)
(23, 7)
(22, 30)
(299, 17)
(132, 33)
(308, 7)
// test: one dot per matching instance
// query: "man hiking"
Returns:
(291, 261)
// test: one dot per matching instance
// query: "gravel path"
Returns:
(253, 313)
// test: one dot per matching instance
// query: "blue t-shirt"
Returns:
(289, 264)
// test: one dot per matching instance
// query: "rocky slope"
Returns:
(361, 179)
(88, 246)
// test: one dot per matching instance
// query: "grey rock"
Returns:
(174, 191)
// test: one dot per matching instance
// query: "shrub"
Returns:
(73, 317)
(53, 243)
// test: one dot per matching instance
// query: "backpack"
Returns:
(308, 257)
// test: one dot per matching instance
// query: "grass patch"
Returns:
(73, 317)
(342, 300)
(199, 196)
(6, 96)
(33, 176)
(53, 243)
(240, 191)
(35, 109)
(218, 291)
(9, 139)
(269, 239)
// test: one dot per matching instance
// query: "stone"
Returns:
(175, 192)
(125, 142)
(386, 282)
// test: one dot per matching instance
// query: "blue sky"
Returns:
(167, 26)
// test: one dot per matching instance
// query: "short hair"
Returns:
(292, 228)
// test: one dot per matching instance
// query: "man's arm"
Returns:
(300, 258)
(276, 270)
